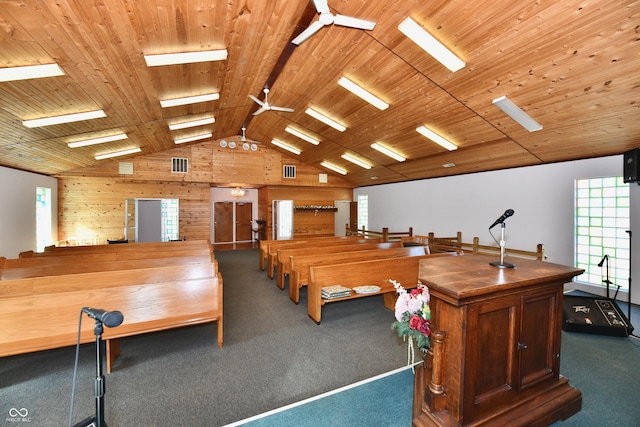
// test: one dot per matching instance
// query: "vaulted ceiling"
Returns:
(572, 65)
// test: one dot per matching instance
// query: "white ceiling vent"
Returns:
(125, 168)
(179, 165)
(289, 171)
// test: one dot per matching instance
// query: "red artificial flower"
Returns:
(425, 327)
(416, 291)
(415, 321)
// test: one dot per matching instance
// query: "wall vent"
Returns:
(179, 165)
(125, 168)
(289, 171)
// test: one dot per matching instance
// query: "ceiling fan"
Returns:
(265, 106)
(327, 18)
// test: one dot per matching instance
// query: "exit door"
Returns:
(243, 222)
(232, 222)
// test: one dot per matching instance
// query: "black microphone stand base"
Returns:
(87, 422)
(501, 264)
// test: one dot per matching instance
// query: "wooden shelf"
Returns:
(315, 209)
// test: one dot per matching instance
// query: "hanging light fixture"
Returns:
(238, 192)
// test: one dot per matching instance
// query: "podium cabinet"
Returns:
(495, 349)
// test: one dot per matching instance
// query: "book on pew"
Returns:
(335, 291)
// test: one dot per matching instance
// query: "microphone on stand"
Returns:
(505, 215)
(601, 263)
(111, 319)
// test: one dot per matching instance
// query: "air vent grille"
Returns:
(179, 165)
(289, 171)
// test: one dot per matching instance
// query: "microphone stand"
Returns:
(99, 385)
(502, 264)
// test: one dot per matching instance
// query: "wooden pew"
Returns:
(363, 273)
(300, 264)
(133, 247)
(71, 265)
(265, 244)
(446, 244)
(272, 249)
(42, 313)
(283, 256)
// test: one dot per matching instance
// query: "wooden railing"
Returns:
(385, 234)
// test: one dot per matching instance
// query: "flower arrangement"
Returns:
(413, 315)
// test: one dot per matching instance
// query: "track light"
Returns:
(362, 93)
(334, 168)
(100, 140)
(67, 118)
(513, 111)
(189, 100)
(436, 138)
(301, 135)
(356, 161)
(285, 146)
(193, 138)
(433, 47)
(192, 123)
(388, 152)
(185, 57)
(326, 120)
(117, 153)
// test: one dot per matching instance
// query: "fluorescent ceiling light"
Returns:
(513, 111)
(356, 161)
(185, 57)
(67, 118)
(334, 168)
(30, 72)
(189, 100)
(386, 151)
(437, 138)
(192, 123)
(301, 135)
(118, 153)
(362, 93)
(326, 120)
(193, 138)
(432, 46)
(285, 146)
(100, 140)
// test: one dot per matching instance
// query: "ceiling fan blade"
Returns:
(285, 109)
(322, 6)
(260, 103)
(348, 21)
(311, 30)
(260, 111)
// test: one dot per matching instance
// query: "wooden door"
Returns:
(223, 222)
(243, 222)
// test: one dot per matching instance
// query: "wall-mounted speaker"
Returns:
(631, 159)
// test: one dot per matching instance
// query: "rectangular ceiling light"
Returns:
(185, 57)
(356, 161)
(285, 146)
(67, 118)
(30, 72)
(386, 151)
(193, 138)
(432, 46)
(437, 138)
(326, 120)
(334, 168)
(118, 153)
(513, 111)
(189, 100)
(362, 93)
(94, 141)
(192, 123)
(301, 135)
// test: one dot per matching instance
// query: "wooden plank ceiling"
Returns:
(573, 65)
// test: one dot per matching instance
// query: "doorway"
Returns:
(232, 222)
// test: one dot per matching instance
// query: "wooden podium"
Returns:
(495, 349)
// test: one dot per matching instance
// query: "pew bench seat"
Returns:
(35, 318)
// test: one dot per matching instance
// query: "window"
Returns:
(169, 208)
(363, 211)
(602, 221)
(43, 218)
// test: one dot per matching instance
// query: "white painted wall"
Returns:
(18, 210)
(541, 196)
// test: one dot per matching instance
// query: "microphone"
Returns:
(504, 216)
(603, 260)
(111, 319)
